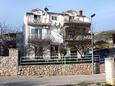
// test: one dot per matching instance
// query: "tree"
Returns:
(6, 39)
(63, 51)
(3, 28)
(36, 46)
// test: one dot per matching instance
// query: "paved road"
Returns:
(50, 81)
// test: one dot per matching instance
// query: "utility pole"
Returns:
(92, 40)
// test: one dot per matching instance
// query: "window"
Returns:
(34, 31)
(71, 17)
(44, 33)
(36, 17)
(54, 17)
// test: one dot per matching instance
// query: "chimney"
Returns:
(81, 13)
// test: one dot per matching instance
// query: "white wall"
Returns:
(25, 29)
(110, 70)
(55, 24)
(59, 21)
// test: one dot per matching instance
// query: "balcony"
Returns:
(38, 22)
(79, 38)
(37, 38)
(78, 21)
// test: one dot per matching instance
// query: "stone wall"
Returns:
(53, 70)
(9, 64)
(9, 67)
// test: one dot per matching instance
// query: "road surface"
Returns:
(51, 80)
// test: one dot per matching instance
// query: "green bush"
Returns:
(63, 51)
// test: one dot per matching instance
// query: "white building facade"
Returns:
(44, 32)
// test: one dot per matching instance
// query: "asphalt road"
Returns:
(51, 80)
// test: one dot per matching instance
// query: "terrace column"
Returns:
(68, 52)
(78, 55)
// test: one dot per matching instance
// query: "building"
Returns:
(11, 40)
(46, 32)
(7, 40)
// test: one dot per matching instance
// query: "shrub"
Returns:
(63, 51)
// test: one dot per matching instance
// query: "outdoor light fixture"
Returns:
(92, 15)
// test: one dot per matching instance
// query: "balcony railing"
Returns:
(38, 37)
(34, 36)
(38, 22)
(77, 38)
(78, 20)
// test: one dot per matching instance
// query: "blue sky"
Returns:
(12, 11)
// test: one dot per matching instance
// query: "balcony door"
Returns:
(36, 33)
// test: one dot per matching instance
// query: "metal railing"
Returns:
(40, 60)
(78, 20)
(38, 21)
(80, 37)
(38, 36)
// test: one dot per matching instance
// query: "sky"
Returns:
(12, 11)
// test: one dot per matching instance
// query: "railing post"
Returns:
(64, 60)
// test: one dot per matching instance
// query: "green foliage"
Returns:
(63, 51)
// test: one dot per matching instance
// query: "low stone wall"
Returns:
(9, 67)
(9, 64)
(53, 70)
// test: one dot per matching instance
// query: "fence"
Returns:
(39, 60)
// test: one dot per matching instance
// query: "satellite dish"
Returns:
(46, 9)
